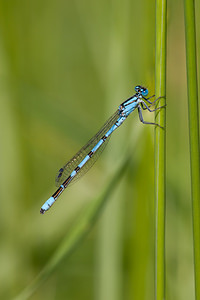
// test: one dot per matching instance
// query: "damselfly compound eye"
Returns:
(145, 92)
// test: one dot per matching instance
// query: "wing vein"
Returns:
(67, 169)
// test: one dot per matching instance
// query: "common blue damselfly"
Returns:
(83, 160)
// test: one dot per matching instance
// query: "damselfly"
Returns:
(83, 160)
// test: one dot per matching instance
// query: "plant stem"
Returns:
(190, 36)
(160, 149)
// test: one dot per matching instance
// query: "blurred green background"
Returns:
(65, 66)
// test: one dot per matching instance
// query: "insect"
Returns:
(84, 159)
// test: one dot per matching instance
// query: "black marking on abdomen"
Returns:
(67, 181)
(90, 153)
(77, 169)
(57, 193)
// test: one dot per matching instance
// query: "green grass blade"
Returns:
(160, 148)
(190, 36)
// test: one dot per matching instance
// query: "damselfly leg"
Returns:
(144, 106)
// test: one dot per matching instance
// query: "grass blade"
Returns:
(160, 149)
(190, 37)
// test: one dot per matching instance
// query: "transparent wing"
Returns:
(67, 169)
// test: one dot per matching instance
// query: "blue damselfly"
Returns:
(83, 160)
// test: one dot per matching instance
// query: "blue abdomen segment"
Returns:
(47, 205)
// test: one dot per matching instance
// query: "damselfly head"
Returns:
(141, 90)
